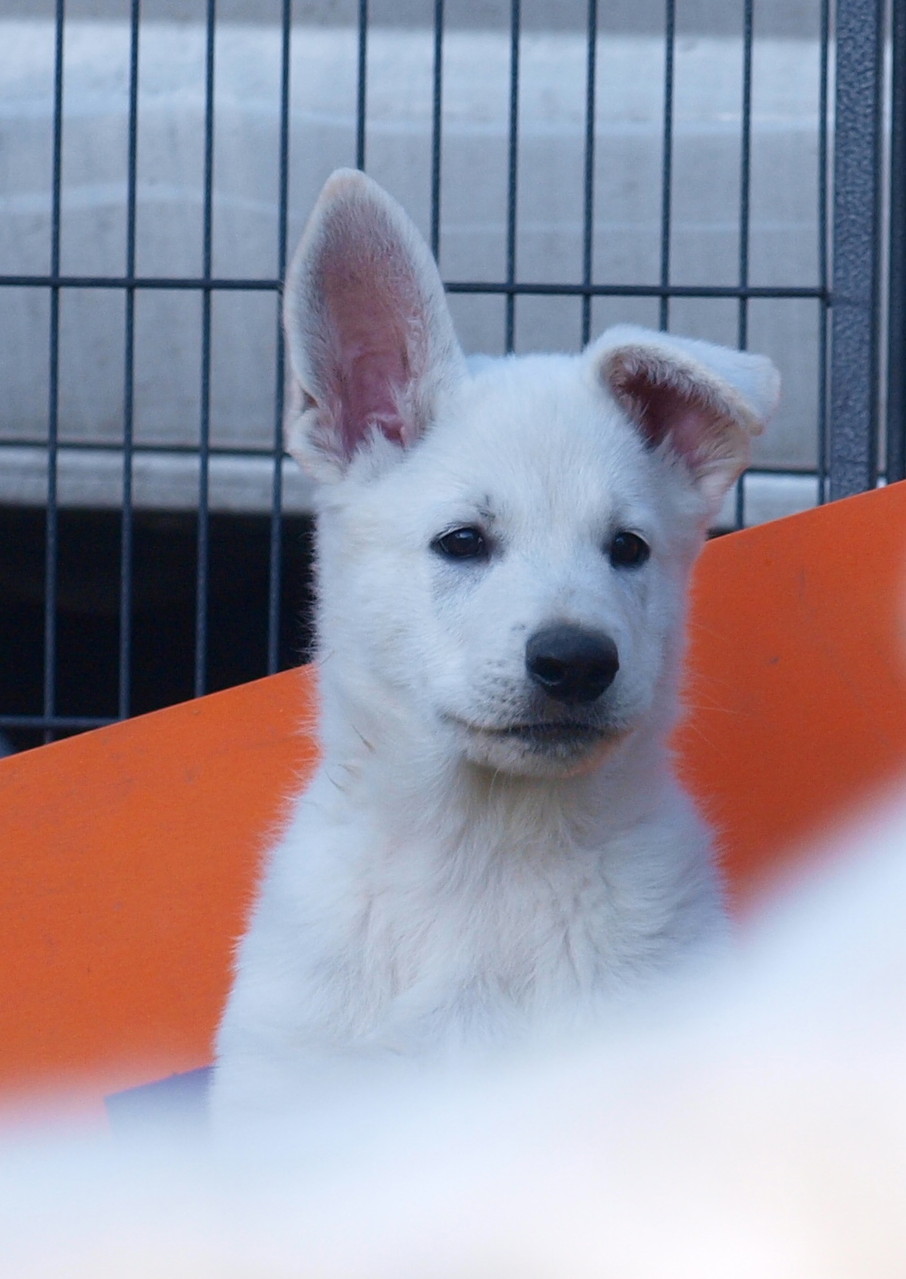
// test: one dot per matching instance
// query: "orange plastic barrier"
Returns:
(796, 684)
(128, 859)
(129, 853)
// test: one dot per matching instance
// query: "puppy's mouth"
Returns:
(546, 736)
(561, 733)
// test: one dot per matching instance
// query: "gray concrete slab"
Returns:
(705, 209)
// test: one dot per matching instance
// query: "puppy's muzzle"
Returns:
(570, 664)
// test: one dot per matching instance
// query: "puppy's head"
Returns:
(504, 550)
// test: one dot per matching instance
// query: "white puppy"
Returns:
(495, 837)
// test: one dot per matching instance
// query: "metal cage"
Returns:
(729, 168)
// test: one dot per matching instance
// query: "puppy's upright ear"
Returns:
(370, 339)
(703, 402)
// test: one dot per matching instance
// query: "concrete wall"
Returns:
(704, 246)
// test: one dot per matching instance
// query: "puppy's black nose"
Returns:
(571, 664)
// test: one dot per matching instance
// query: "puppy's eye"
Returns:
(628, 550)
(466, 543)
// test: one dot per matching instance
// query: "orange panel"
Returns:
(796, 690)
(128, 857)
(129, 853)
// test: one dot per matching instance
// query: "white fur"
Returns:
(450, 880)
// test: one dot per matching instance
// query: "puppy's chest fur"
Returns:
(502, 916)
(416, 942)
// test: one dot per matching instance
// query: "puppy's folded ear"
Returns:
(703, 402)
(370, 339)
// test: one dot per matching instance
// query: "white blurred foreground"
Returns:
(759, 1129)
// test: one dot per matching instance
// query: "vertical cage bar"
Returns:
(667, 159)
(745, 175)
(512, 172)
(823, 234)
(275, 543)
(204, 540)
(436, 124)
(896, 261)
(51, 524)
(126, 517)
(588, 197)
(745, 182)
(852, 445)
(361, 86)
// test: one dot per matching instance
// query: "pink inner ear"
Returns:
(376, 342)
(687, 426)
(373, 382)
(665, 404)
